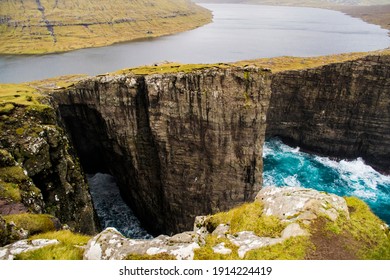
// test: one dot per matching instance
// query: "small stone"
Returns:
(221, 249)
(221, 230)
(293, 230)
(184, 237)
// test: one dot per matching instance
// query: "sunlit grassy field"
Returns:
(27, 27)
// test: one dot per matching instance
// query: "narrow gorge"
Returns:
(188, 143)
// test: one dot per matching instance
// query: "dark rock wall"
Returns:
(340, 110)
(180, 144)
(44, 169)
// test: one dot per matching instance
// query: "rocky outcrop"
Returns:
(10, 251)
(112, 245)
(312, 221)
(180, 145)
(39, 173)
(294, 204)
(339, 110)
(189, 143)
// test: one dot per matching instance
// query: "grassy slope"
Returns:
(371, 11)
(56, 26)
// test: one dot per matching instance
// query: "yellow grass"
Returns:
(82, 24)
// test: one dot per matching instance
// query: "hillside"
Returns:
(46, 26)
(310, 3)
(371, 11)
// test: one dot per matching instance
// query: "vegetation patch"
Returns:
(249, 217)
(206, 251)
(170, 68)
(34, 223)
(70, 247)
(294, 248)
(13, 174)
(10, 191)
(362, 236)
(286, 63)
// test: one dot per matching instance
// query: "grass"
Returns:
(294, 248)
(365, 227)
(206, 252)
(34, 223)
(12, 174)
(10, 191)
(69, 248)
(82, 24)
(286, 63)
(169, 68)
(249, 217)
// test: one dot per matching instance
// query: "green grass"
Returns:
(34, 223)
(294, 248)
(249, 217)
(287, 63)
(365, 227)
(10, 191)
(12, 174)
(69, 248)
(170, 68)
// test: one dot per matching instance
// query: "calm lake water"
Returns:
(238, 32)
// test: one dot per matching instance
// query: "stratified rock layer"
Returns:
(339, 109)
(186, 144)
(180, 145)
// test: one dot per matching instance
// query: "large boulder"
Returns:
(296, 203)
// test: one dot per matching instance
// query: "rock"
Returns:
(221, 230)
(184, 237)
(295, 203)
(171, 136)
(293, 230)
(221, 249)
(339, 110)
(112, 245)
(6, 158)
(10, 251)
(200, 228)
(3, 232)
(38, 159)
(247, 240)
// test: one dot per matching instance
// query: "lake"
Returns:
(237, 32)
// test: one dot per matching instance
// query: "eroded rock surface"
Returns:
(340, 109)
(10, 251)
(296, 203)
(112, 245)
(180, 145)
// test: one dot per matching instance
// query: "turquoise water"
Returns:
(286, 166)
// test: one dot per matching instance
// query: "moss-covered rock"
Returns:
(38, 172)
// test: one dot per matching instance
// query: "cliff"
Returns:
(39, 172)
(180, 145)
(182, 140)
(339, 110)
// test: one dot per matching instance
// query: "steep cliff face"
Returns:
(180, 144)
(38, 172)
(340, 110)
